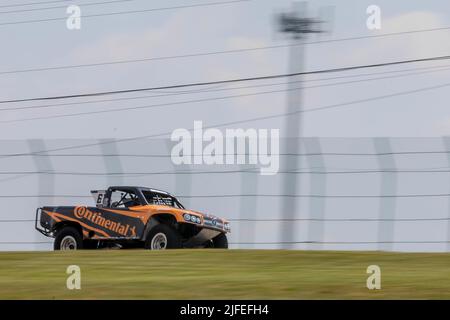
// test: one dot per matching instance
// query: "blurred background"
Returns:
(353, 193)
(363, 115)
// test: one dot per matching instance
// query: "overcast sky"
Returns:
(196, 30)
(216, 28)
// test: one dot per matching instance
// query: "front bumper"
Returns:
(216, 223)
(208, 222)
(205, 235)
(43, 223)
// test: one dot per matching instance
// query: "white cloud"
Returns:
(414, 45)
(442, 127)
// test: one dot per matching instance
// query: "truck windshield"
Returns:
(161, 199)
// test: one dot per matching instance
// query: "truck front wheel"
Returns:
(220, 241)
(68, 238)
(162, 237)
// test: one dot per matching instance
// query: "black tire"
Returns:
(208, 244)
(163, 233)
(68, 234)
(90, 244)
(220, 241)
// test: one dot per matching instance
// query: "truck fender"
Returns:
(150, 224)
(166, 218)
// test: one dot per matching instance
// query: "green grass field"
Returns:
(232, 274)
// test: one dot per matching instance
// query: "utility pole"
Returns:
(296, 25)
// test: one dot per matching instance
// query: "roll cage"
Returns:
(135, 196)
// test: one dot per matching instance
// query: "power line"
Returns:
(125, 12)
(109, 100)
(371, 154)
(228, 123)
(43, 196)
(31, 3)
(292, 220)
(227, 81)
(327, 220)
(255, 171)
(211, 196)
(167, 104)
(433, 69)
(339, 242)
(218, 125)
(13, 178)
(437, 195)
(25, 242)
(186, 172)
(276, 242)
(202, 54)
(65, 6)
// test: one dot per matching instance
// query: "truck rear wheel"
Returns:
(162, 237)
(220, 241)
(68, 238)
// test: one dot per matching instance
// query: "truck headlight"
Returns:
(192, 218)
(227, 226)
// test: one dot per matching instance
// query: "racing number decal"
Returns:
(100, 198)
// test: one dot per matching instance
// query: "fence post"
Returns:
(112, 162)
(291, 185)
(183, 177)
(447, 149)
(249, 185)
(388, 190)
(46, 178)
(317, 182)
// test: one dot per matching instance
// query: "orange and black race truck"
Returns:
(131, 217)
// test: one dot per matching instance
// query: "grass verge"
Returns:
(223, 274)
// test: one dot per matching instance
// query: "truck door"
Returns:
(117, 204)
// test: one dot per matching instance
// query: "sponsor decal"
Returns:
(167, 201)
(84, 213)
